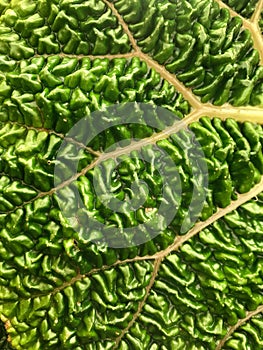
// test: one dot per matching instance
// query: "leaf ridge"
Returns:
(251, 25)
(233, 13)
(177, 126)
(221, 212)
(158, 257)
(257, 41)
(243, 198)
(187, 93)
(60, 135)
(178, 242)
(156, 267)
(124, 25)
(240, 322)
(111, 155)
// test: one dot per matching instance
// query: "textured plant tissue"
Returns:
(131, 205)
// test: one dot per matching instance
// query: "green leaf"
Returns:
(154, 239)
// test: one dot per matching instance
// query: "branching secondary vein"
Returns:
(233, 13)
(257, 12)
(156, 267)
(124, 25)
(251, 25)
(232, 329)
